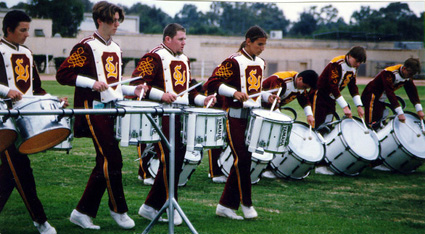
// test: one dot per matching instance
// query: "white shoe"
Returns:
(45, 228)
(148, 181)
(148, 212)
(227, 212)
(268, 174)
(177, 218)
(140, 178)
(82, 220)
(219, 179)
(123, 220)
(324, 170)
(381, 167)
(249, 212)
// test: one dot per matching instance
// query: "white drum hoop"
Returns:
(8, 133)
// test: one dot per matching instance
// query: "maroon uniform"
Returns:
(382, 87)
(18, 72)
(95, 59)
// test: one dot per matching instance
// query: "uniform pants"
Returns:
(322, 106)
(158, 194)
(374, 109)
(144, 162)
(106, 175)
(213, 157)
(16, 171)
(238, 186)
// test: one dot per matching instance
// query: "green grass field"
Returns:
(373, 202)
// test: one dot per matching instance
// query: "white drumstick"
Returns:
(189, 89)
(364, 125)
(298, 135)
(258, 94)
(309, 134)
(361, 126)
(210, 101)
(275, 100)
(125, 81)
(141, 93)
(413, 130)
(422, 126)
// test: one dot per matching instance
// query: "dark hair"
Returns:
(171, 30)
(413, 64)
(12, 19)
(253, 33)
(309, 77)
(105, 11)
(359, 53)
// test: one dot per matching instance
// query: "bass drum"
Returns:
(403, 144)
(306, 148)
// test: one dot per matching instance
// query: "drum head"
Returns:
(7, 137)
(137, 104)
(310, 150)
(276, 116)
(365, 145)
(205, 111)
(44, 141)
(407, 137)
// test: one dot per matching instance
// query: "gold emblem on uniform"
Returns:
(254, 81)
(178, 76)
(145, 67)
(225, 70)
(110, 68)
(76, 60)
(21, 71)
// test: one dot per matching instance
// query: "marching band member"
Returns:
(94, 63)
(383, 86)
(338, 74)
(166, 71)
(294, 85)
(19, 77)
(237, 77)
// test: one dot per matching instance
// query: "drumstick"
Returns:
(364, 125)
(210, 101)
(422, 126)
(141, 93)
(298, 135)
(189, 89)
(413, 130)
(258, 94)
(361, 126)
(309, 134)
(275, 100)
(125, 81)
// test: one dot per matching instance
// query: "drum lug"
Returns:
(134, 134)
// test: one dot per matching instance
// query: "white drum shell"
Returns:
(402, 150)
(341, 146)
(303, 153)
(268, 131)
(203, 128)
(134, 128)
(66, 145)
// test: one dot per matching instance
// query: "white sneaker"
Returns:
(123, 220)
(324, 170)
(148, 181)
(381, 167)
(219, 179)
(249, 212)
(82, 220)
(140, 178)
(227, 212)
(268, 174)
(148, 212)
(45, 228)
(177, 218)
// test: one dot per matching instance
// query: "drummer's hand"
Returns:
(169, 97)
(14, 95)
(240, 96)
(273, 97)
(402, 118)
(310, 120)
(100, 86)
(65, 102)
(214, 100)
(139, 89)
(421, 114)
(347, 112)
(360, 111)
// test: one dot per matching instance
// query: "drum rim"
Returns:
(150, 104)
(397, 137)
(18, 106)
(254, 112)
(201, 110)
(296, 153)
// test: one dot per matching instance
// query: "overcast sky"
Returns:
(291, 9)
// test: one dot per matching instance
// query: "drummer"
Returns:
(228, 80)
(166, 71)
(95, 63)
(294, 85)
(16, 63)
(382, 88)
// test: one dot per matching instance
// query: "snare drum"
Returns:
(8, 132)
(134, 128)
(203, 128)
(304, 152)
(268, 131)
(39, 132)
(350, 147)
(402, 149)
(259, 163)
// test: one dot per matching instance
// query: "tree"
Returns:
(152, 20)
(305, 26)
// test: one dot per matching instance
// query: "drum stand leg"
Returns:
(171, 203)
